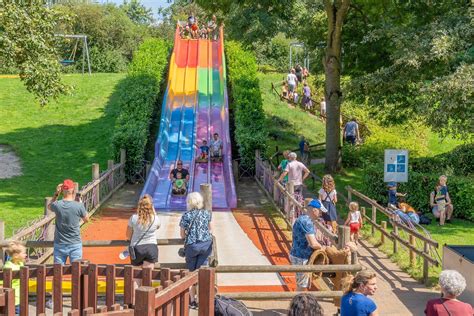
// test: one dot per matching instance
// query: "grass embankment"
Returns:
(297, 122)
(58, 141)
(286, 123)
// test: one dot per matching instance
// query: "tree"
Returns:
(336, 12)
(27, 42)
(137, 12)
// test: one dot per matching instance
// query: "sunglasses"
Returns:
(180, 164)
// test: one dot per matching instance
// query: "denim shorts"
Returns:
(62, 252)
(302, 278)
(197, 254)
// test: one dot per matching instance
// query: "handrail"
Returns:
(289, 268)
(93, 243)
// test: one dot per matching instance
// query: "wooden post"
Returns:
(235, 170)
(349, 196)
(123, 159)
(257, 154)
(96, 176)
(110, 164)
(290, 209)
(412, 253)
(395, 241)
(2, 238)
(425, 264)
(374, 219)
(344, 233)
(145, 301)
(49, 233)
(206, 291)
(9, 309)
(206, 192)
(364, 214)
(382, 236)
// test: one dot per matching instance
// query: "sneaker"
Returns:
(193, 305)
(49, 304)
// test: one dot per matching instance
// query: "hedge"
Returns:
(419, 187)
(246, 101)
(138, 101)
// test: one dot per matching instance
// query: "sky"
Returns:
(152, 4)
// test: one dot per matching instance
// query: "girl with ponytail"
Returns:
(356, 288)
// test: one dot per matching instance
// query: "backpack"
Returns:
(425, 220)
(226, 306)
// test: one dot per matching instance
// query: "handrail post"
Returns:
(206, 192)
(290, 187)
(382, 236)
(374, 218)
(395, 241)
(349, 195)
(123, 159)
(412, 253)
(235, 170)
(96, 176)
(344, 236)
(425, 264)
(145, 301)
(206, 281)
(49, 234)
(364, 214)
(2, 238)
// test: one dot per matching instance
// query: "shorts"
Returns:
(197, 254)
(194, 27)
(351, 139)
(354, 227)
(62, 252)
(302, 278)
(291, 87)
(147, 252)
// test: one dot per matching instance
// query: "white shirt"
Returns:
(295, 171)
(291, 78)
(355, 217)
(324, 196)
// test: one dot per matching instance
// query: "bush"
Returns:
(246, 101)
(105, 60)
(419, 188)
(138, 101)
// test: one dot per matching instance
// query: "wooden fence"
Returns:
(412, 240)
(284, 200)
(93, 195)
(7, 302)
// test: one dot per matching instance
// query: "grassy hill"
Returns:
(58, 141)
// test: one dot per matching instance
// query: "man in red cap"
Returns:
(69, 212)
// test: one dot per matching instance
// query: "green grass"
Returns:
(289, 123)
(286, 124)
(58, 141)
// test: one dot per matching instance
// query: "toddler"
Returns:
(354, 219)
(17, 256)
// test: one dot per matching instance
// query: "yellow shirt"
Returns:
(15, 282)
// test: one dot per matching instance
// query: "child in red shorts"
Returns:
(354, 220)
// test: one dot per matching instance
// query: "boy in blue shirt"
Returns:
(204, 151)
(393, 194)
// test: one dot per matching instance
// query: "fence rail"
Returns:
(7, 302)
(93, 195)
(415, 242)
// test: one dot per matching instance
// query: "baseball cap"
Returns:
(317, 204)
(68, 184)
(392, 184)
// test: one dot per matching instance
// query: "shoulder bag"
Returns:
(131, 249)
(182, 251)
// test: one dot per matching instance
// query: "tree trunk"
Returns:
(336, 11)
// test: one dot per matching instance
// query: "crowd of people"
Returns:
(192, 29)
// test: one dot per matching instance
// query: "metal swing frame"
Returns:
(85, 49)
(294, 46)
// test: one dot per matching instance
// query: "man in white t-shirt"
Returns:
(296, 171)
(292, 81)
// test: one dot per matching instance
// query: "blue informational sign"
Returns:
(396, 165)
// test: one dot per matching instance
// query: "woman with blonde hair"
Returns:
(141, 231)
(328, 195)
(356, 288)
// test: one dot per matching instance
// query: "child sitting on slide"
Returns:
(204, 150)
(179, 185)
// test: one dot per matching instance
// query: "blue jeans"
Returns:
(197, 254)
(61, 252)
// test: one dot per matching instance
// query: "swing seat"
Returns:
(67, 62)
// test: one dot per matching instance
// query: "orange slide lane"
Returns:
(110, 224)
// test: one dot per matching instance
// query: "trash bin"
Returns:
(461, 259)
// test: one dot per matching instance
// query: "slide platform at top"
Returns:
(195, 107)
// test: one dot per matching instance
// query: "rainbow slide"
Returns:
(195, 107)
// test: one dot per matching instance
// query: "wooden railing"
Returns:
(84, 279)
(7, 302)
(283, 198)
(413, 241)
(93, 195)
